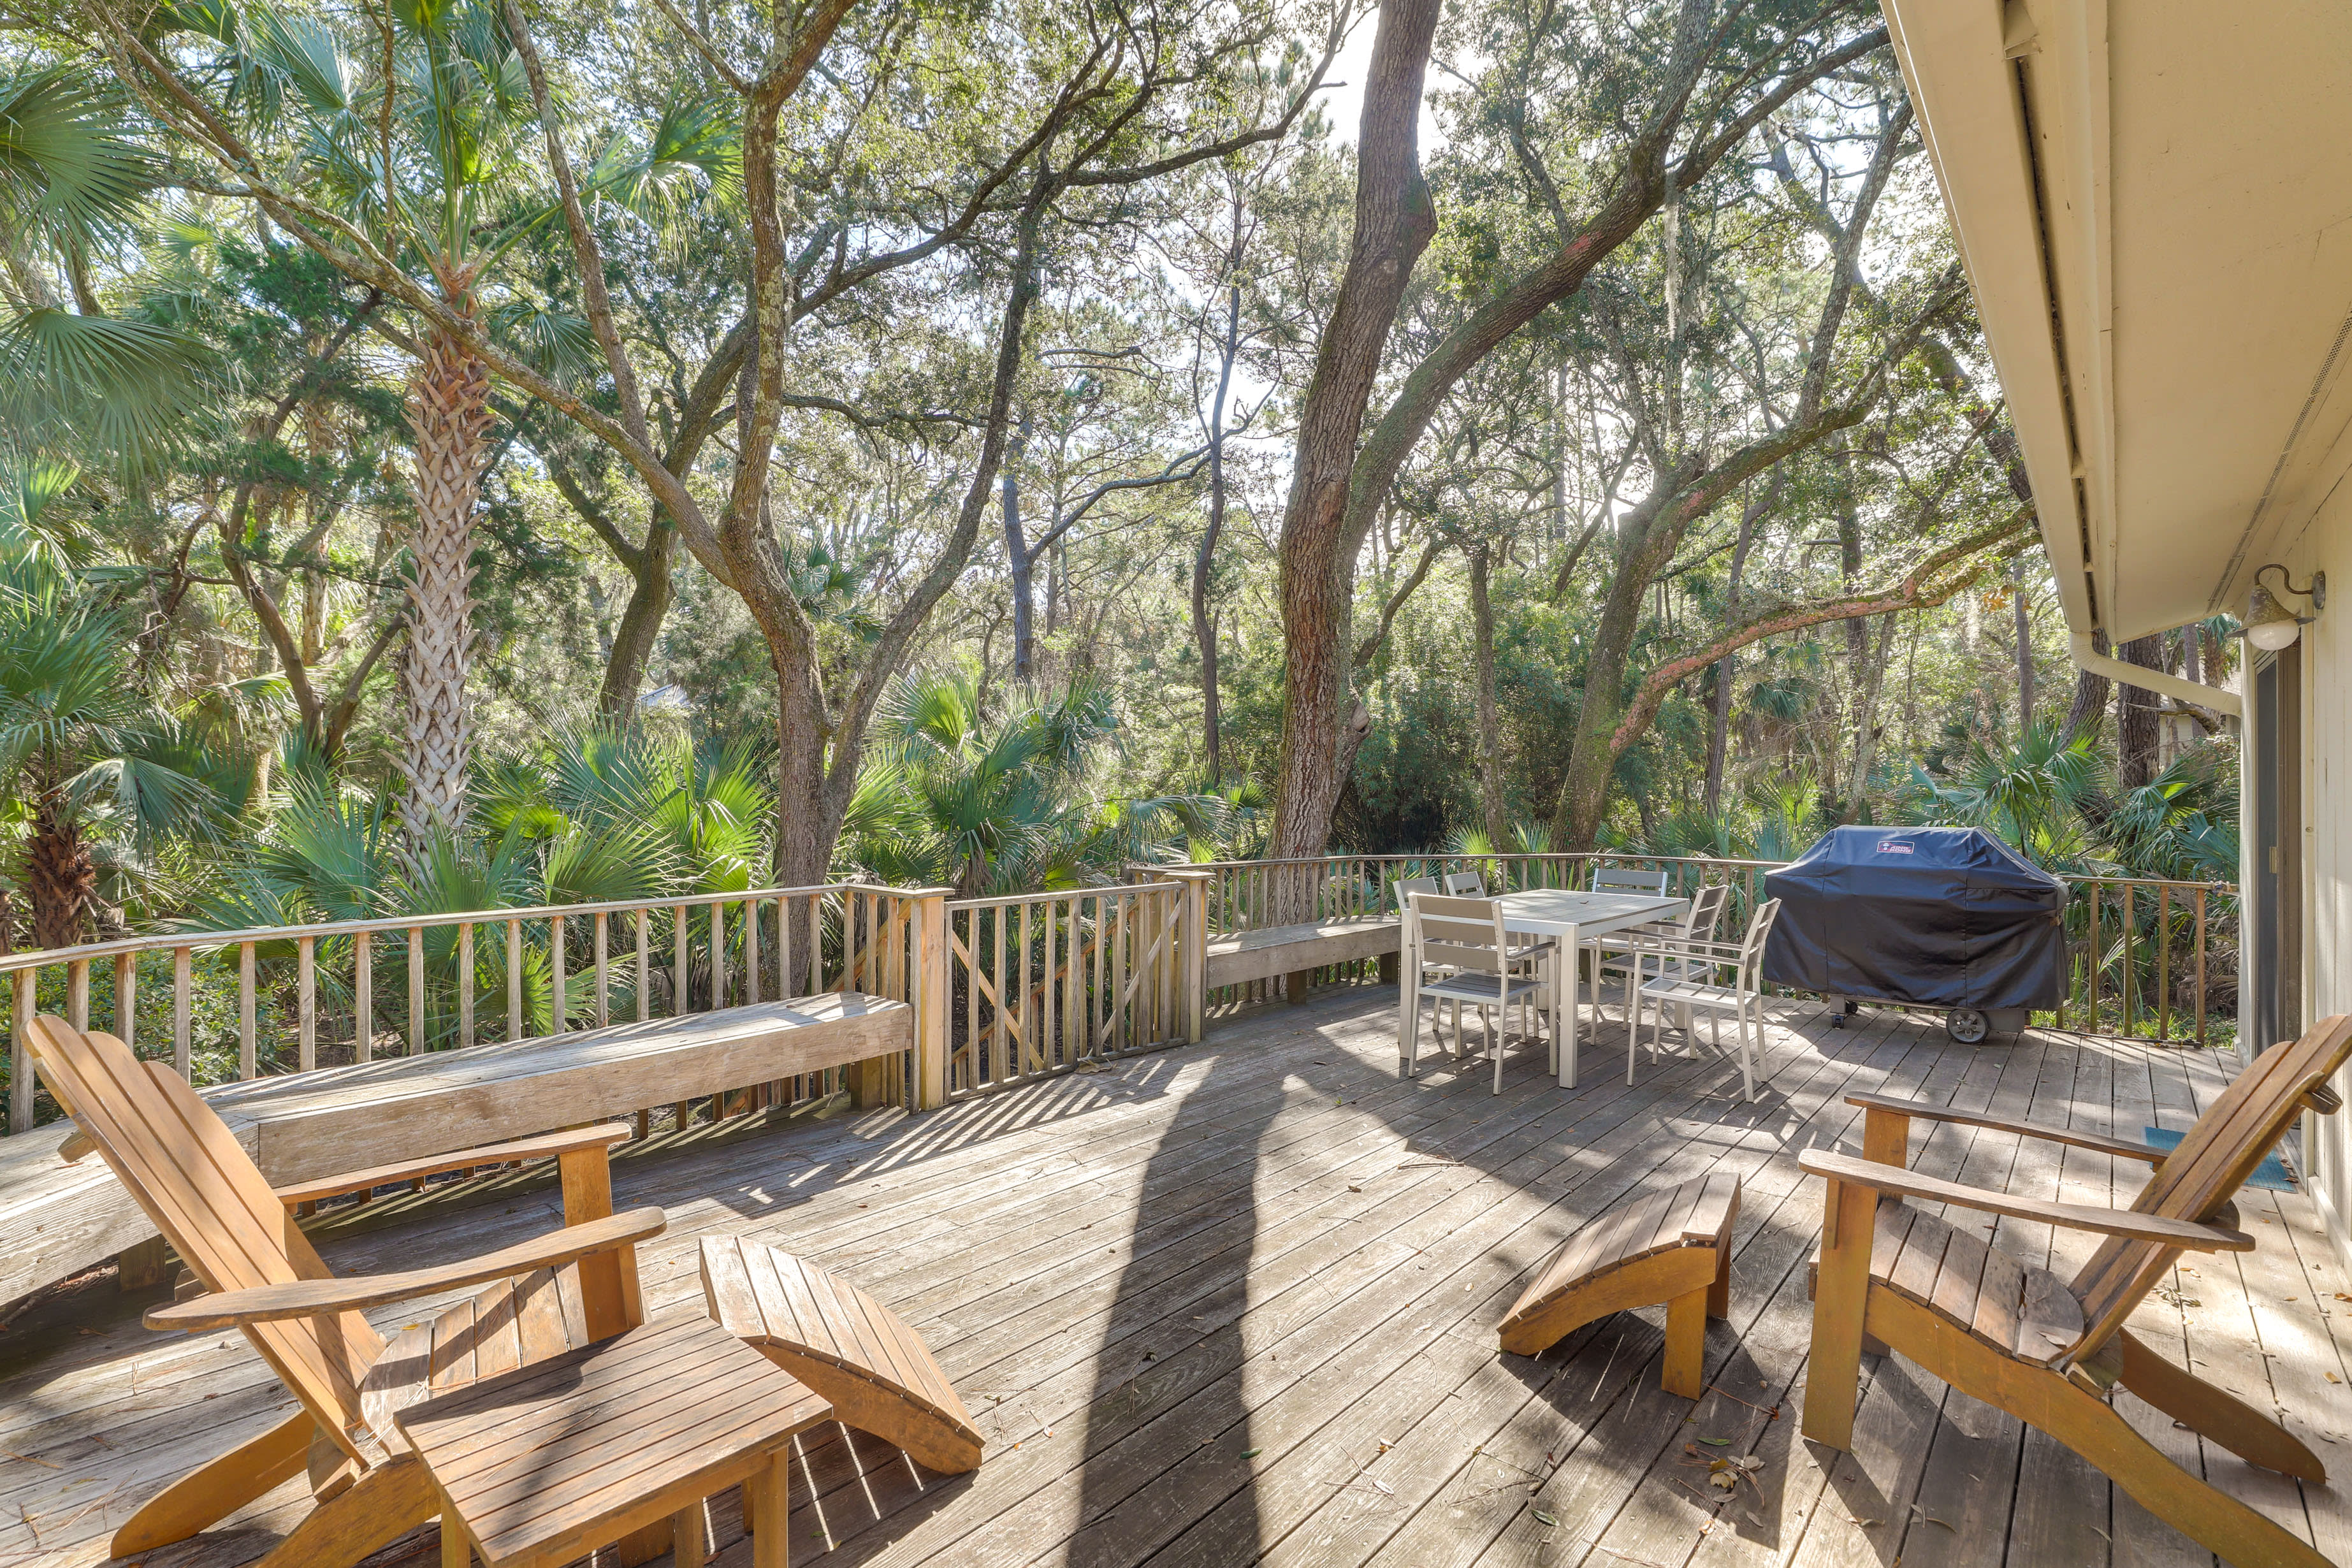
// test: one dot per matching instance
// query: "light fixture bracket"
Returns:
(2315, 589)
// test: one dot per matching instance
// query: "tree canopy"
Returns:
(505, 449)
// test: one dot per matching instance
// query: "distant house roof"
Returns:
(666, 699)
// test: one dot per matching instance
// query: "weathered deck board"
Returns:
(1235, 1302)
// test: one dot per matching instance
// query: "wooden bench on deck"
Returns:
(57, 1219)
(1296, 950)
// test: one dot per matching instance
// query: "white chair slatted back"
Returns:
(1464, 885)
(1464, 924)
(1707, 912)
(1625, 879)
(1752, 947)
(1407, 887)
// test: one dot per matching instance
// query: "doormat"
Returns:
(2272, 1174)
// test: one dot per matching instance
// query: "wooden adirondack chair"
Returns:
(187, 1171)
(2050, 1350)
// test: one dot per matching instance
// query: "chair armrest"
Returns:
(2181, 1233)
(2098, 1142)
(324, 1298)
(604, 1134)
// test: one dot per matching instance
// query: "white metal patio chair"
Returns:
(1472, 885)
(1696, 981)
(1635, 953)
(1465, 954)
(1616, 943)
(1409, 937)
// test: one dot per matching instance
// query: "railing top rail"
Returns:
(1480, 855)
(1104, 890)
(42, 958)
(1731, 860)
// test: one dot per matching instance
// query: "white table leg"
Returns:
(1563, 1002)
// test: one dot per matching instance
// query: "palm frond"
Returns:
(120, 385)
(67, 169)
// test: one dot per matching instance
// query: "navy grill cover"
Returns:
(1936, 917)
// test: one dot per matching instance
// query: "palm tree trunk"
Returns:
(58, 875)
(449, 413)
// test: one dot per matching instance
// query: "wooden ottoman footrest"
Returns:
(841, 1341)
(1672, 1247)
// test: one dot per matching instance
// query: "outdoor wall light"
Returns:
(2270, 625)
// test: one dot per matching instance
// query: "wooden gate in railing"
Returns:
(237, 1005)
(1042, 984)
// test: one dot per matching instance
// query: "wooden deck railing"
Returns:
(1006, 989)
(279, 999)
(2146, 959)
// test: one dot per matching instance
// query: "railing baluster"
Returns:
(678, 957)
(969, 960)
(22, 1085)
(364, 996)
(751, 952)
(2200, 967)
(996, 1024)
(464, 984)
(645, 973)
(559, 1003)
(417, 1043)
(717, 953)
(603, 978)
(517, 1027)
(306, 1002)
(2090, 975)
(2128, 934)
(1031, 1048)
(183, 1005)
(2164, 963)
(126, 997)
(248, 1063)
(78, 994)
(784, 949)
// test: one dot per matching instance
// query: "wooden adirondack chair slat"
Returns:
(214, 1207)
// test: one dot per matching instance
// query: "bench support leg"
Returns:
(1719, 1295)
(143, 1267)
(1295, 984)
(1389, 968)
(1686, 1369)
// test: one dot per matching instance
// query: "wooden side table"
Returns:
(541, 1464)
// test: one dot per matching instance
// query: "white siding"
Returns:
(2326, 546)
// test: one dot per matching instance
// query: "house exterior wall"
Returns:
(2326, 838)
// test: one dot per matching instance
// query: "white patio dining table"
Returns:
(1577, 916)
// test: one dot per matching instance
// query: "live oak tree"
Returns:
(1630, 109)
(1129, 97)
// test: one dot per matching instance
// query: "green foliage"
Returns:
(1002, 806)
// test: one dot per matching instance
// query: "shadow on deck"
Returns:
(1235, 1302)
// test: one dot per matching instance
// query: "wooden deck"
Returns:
(1235, 1302)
